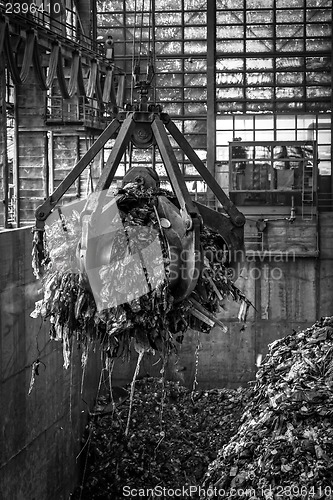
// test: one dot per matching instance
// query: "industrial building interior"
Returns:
(229, 102)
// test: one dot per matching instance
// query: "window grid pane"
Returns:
(280, 65)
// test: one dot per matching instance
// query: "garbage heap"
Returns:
(284, 445)
(174, 434)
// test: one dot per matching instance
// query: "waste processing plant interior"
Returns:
(166, 249)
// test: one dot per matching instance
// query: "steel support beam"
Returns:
(236, 216)
(211, 93)
(44, 210)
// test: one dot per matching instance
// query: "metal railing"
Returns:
(83, 110)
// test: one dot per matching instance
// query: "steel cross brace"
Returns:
(235, 215)
(44, 210)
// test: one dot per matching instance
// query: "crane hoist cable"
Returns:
(142, 85)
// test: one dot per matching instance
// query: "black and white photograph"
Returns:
(166, 250)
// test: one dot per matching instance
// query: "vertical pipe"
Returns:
(78, 185)
(3, 142)
(153, 29)
(46, 167)
(331, 204)
(16, 176)
(211, 86)
(51, 162)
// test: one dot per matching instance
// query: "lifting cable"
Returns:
(141, 30)
(149, 46)
(133, 50)
(136, 69)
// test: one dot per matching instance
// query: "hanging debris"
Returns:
(170, 449)
(284, 447)
(134, 300)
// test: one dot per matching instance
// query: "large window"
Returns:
(265, 62)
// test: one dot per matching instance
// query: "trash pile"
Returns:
(149, 316)
(174, 434)
(284, 445)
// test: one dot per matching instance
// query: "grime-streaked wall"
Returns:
(41, 432)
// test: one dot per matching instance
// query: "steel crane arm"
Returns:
(44, 210)
(235, 215)
(171, 165)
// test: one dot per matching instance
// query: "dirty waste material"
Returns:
(153, 319)
(175, 433)
(283, 448)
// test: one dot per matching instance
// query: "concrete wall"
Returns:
(41, 432)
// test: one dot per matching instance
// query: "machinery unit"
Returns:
(142, 125)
